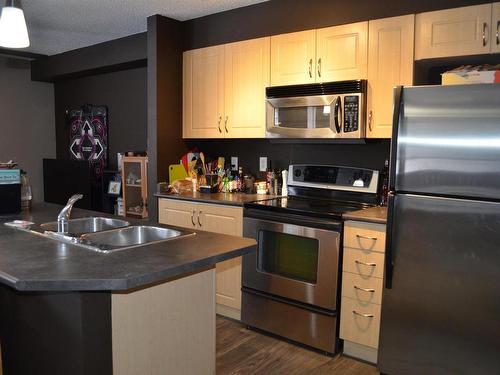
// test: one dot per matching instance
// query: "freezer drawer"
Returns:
(441, 314)
(448, 141)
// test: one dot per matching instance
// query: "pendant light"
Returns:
(13, 30)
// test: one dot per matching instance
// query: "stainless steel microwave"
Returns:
(320, 110)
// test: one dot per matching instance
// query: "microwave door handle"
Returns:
(337, 112)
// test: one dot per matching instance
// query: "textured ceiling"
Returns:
(57, 26)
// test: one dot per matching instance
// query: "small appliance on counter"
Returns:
(291, 285)
(10, 191)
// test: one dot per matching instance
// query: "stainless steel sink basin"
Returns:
(133, 236)
(77, 227)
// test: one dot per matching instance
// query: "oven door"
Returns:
(293, 261)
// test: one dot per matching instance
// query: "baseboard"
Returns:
(365, 353)
(228, 312)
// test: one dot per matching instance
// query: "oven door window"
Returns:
(287, 255)
(312, 117)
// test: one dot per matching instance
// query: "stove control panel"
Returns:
(334, 177)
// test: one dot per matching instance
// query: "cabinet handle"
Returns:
(370, 115)
(199, 221)
(364, 289)
(365, 264)
(192, 218)
(366, 237)
(218, 124)
(225, 123)
(484, 33)
(319, 67)
(361, 314)
(498, 37)
(310, 68)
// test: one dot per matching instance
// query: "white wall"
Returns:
(27, 131)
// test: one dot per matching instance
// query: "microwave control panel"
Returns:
(351, 113)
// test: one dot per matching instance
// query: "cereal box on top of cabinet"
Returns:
(467, 74)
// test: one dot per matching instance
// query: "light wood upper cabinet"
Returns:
(246, 78)
(203, 92)
(224, 90)
(495, 24)
(342, 52)
(293, 58)
(453, 32)
(390, 63)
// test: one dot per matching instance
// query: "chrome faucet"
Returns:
(63, 217)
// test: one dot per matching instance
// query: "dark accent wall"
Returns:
(283, 16)
(125, 94)
(27, 120)
(370, 155)
(165, 144)
(119, 54)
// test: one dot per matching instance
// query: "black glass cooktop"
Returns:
(308, 206)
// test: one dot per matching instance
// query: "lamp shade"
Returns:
(13, 30)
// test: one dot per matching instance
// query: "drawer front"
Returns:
(363, 290)
(177, 212)
(360, 323)
(367, 264)
(366, 236)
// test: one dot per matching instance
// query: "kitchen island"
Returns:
(70, 310)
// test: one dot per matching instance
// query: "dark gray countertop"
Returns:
(373, 214)
(230, 199)
(29, 262)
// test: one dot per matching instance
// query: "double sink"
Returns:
(107, 235)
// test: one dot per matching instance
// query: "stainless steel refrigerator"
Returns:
(441, 301)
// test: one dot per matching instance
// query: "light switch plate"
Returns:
(234, 163)
(263, 163)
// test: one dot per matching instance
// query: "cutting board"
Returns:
(176, 172)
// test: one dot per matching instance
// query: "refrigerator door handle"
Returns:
(398, 102)
(389, 253)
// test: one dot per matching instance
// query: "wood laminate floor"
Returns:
(242, 351)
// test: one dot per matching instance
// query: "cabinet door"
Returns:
(342, 52)
(247, 70)
(495, 25)
(453, 32)
(225, 220)
(203, 93)
(390, 63)
(176, 212)
(293, 58)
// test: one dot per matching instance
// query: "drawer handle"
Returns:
(364, 289)
(199, 221)
(361, 314)
(365, 264)
(192, 218)
(366, 237)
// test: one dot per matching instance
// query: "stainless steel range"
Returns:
(291, 285)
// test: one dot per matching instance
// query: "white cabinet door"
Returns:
(453, 32)
(342, 52)
(495, 26)
(203, 93)
(390, 63)
(293, 58)
(247, 70)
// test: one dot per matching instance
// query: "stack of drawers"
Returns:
(362, 285)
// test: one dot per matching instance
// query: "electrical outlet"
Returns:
(263, 163)
(234, 163)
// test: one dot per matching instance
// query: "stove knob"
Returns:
(297, 173)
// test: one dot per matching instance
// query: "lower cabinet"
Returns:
(362, 286)
(218, 219)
